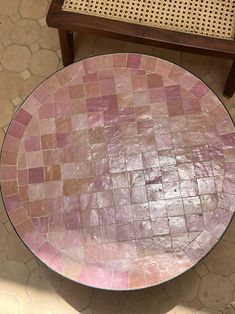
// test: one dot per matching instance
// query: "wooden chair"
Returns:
(197, 26)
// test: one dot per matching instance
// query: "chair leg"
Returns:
(66, 46)
(230, 84)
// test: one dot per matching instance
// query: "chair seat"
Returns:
(214, 18)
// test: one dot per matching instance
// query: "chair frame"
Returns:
(69, 22)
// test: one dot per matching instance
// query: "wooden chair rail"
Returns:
(68, 22)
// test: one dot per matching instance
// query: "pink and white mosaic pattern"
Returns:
(118, 171)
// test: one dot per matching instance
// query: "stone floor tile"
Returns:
(1, 51)
(219, 69)
(181, 309)
(23, 298)
(3, 215)
(222, 259)
(16, 101)
(34, 47)
(171, 55)
(16, 58)
(1, 141)
(6, 111)
(167, 306)
(25, 74)
(8, 304)
(158, 292)
(9, 7)
(3, 257)
(3, 236)
(34, 307)
(6, 27)
(138, 303)
(215, 291)
(8, 42)
(48, 38)
(195, 63)
(138, 48)
(32, 264)
(201, 270)
(87, 311)
(230, 308)
(232, 278)
(76, 295)
(14, 278)
(15, 249)
(33, 9)
(207, 79)
(15, 17)
(208, 311)
(195, 304)
(10, 84)
(84, 45)
(108, 45)
(43, 63)
(25, 32)
(184, 288)
(39, 287)
(8, 226)
(230, 233)
(42, 21)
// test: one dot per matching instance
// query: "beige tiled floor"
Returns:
(29, 52)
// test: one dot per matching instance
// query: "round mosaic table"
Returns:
(118, 171)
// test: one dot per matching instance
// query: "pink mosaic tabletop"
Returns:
(118, 171)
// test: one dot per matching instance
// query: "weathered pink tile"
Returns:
(138, 194)
(23, 117)
(148, 63)
(36, 175)
(47, 110)
(174, 100)
(119, 60)
(163, 67)
(72, 220)
(8, 172)
(64, 139)
(41, 94)
(126, 231)
(163, 141)
(199, 89)
(134, 162)
(12, 202)
(32, 143)
(154, 80)
(107, 87)
(76, 91)
(143, 229)
(16, 129)
(133, 61)
(160, 226)
(120, 280)
(11, 144)
(140, 211)
(104, 199)
(177, 225)
(140, 98)
(102, 183)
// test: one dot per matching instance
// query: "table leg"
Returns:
(66, 45)
(230, 84)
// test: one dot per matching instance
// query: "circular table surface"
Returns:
(118, 171)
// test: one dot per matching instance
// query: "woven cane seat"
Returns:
(214, 18)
